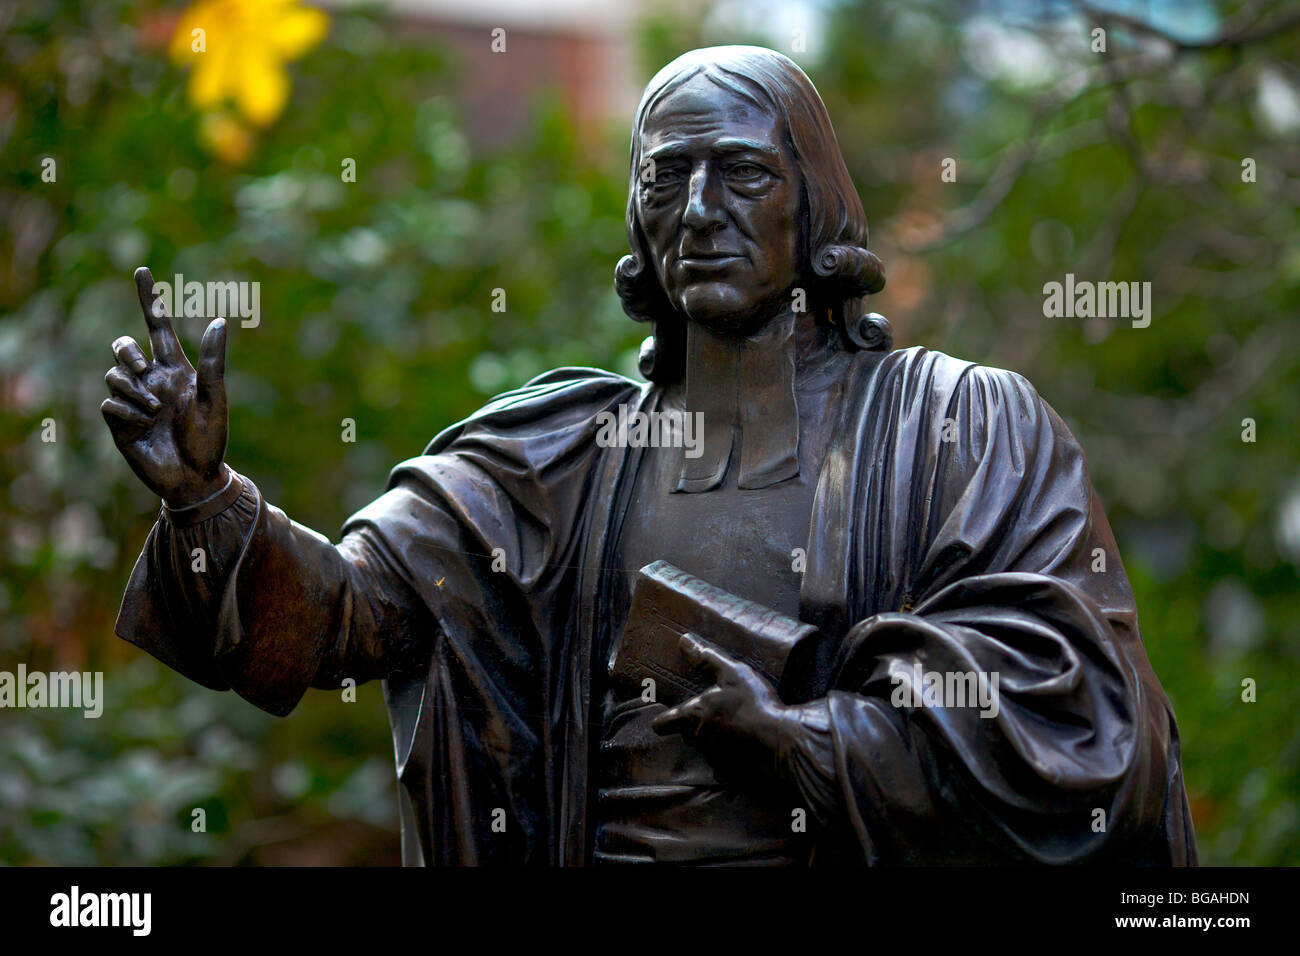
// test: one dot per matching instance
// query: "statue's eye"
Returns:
(746, 172)
(663, 176)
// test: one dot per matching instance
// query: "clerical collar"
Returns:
(744, 386)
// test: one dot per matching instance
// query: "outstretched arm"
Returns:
(228, 590)
(247, 599)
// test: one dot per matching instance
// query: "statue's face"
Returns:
(719, 206)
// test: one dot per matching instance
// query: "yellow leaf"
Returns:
(297, 31)
(263, 89)
(247, 43)
(227, 138)
(208, 82)
(199, 16)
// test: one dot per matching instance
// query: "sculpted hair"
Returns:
(833, 242)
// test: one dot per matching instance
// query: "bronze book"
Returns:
(667, 603)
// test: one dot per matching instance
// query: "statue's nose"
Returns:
(704, 212)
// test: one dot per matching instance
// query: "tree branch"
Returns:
(1229, 37)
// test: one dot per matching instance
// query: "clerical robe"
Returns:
(954, 530)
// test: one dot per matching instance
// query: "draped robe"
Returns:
(954, 529)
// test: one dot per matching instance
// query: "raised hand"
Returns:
(168, 420)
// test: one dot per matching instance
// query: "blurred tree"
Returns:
(1165, 153)
(1169, 158)
(376, 306)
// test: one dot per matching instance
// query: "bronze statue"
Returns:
(912, 540)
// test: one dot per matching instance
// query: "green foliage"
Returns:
(376, 305)
(1132, 181)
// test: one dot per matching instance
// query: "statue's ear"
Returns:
(645, 361)
(663, 355)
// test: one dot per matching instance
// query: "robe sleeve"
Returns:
(1001, 566)
(277, 608)
(248, 599)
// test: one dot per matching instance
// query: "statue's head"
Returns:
(737, 196)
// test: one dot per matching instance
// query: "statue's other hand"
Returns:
(737, 723)
(168, 420)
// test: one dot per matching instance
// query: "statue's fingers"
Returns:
(130, 389)
(210, 381)
(699, 653)
(116, 410)
(675, 720)
(162, 337)
(129, 355)
(686, 717)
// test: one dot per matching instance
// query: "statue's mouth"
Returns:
(709, 260)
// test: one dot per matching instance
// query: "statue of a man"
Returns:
(929, 516)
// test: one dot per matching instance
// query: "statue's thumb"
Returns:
(211, 374)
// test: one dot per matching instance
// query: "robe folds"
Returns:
(954, 529)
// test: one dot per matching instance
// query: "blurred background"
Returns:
(489, 139)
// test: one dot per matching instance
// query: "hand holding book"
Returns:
(738, 722)
(717, 661)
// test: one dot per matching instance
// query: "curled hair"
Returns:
(837, 264)
(851, 269)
